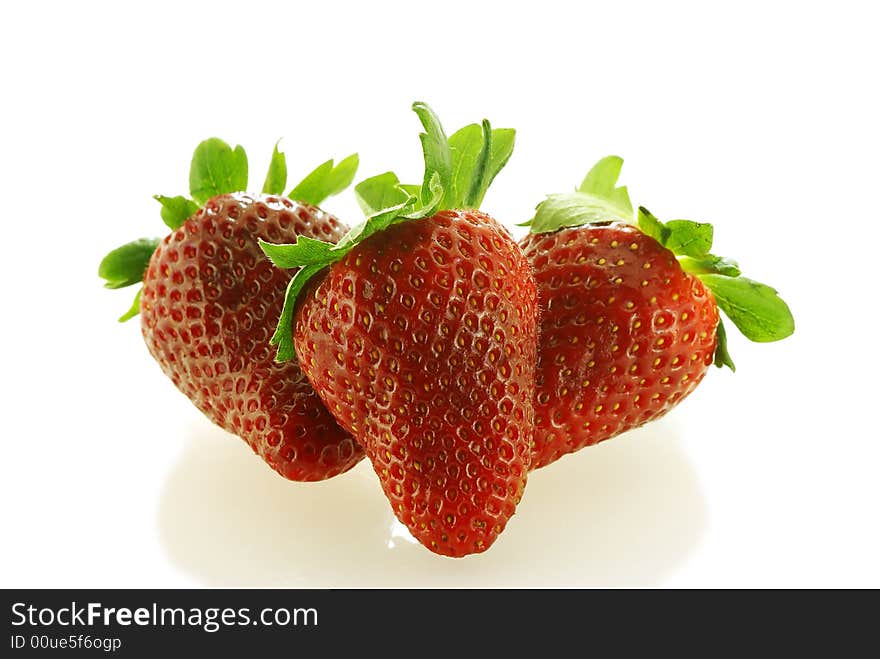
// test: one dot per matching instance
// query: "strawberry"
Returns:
(421, 339)
(210, 297)
(629, 315)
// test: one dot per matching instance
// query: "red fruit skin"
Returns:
(626, 334)
(210, 302)
(422, 342)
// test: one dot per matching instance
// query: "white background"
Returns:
(759, 117)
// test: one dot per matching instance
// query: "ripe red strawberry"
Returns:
(629, 320)
(421, 339)
(625, 334)
(210, 298)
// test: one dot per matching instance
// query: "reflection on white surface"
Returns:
(625, 513)
(398, 533)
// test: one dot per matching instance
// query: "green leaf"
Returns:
(304, 251)
(601, 181)
(283, 336)
(602, 177)
(438, 156)
(428, 204)
(651, 226)
(710, 264)
(310, 189)
(380, 192)
(379, 221)
(325, 181)
(480, 178)
(596, 200)
(474, 165)
(682, 237)
(722, 356)
(176, 210)
(475, 154)
(688, 238)
(217, 169)
(276, 177)
(465, 146)
(312, 186)
(573, 209)
(135, 308)
(756, 309)
(343, 174)
(127, 264)
(503, 140)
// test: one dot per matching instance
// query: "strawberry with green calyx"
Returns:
(210, 297)
(629, 313)
(420, 335)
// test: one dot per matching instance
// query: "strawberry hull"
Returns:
(422, 343)
(626, 334)
(209, 300)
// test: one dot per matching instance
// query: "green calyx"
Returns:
(597, 199)
(217, 168)
(754, 308)
(458, 172)
(125, 265)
